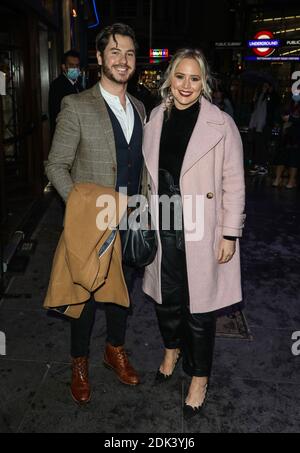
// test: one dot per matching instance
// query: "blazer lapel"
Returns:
(104, 121)
(152, 135)
(204, 137)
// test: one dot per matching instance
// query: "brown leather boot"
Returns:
(80, 387)
(117, 360)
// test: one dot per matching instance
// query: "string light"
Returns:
(290, 52)
(274, 19)
(282, 32)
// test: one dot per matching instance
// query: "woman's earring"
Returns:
(170, 100)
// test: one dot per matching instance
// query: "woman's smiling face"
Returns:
(186, 83)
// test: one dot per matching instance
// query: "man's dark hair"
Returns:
(113, 30)
(71, 53)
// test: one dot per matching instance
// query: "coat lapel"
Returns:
(152, 134)
(104, 120)
(204, 137)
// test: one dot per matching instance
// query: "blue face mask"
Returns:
(73, 74)
(296, 97)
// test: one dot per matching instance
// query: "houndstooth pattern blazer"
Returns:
(83, 148)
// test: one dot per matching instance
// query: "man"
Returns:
(98, 139)
(67, 83)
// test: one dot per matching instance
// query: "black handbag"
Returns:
(140, 245)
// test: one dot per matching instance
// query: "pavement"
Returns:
(255, 386)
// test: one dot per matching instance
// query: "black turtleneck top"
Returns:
(175, 137)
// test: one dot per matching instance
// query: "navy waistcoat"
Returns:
(129, 156)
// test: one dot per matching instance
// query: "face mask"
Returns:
(73, 73)
(296, 97)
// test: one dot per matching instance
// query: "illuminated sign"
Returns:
(293, 42)
(252, 58)
(229, 44)
(262, 43)
(159, 53)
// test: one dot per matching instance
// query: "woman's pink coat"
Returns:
(213, 171)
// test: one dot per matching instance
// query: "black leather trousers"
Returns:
(194, 334)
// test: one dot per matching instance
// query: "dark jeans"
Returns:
(116, 322)
(194, 334)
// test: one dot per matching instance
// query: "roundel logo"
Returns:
(264, 51)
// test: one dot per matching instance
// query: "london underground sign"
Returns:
(264, 43)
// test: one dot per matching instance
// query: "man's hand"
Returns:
(226, 251)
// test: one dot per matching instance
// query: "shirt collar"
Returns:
(111, 97)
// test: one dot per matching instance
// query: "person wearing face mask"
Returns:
(67, 83)
(288, 156)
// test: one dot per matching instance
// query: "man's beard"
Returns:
(109, 75)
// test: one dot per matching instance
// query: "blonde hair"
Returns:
(195, 54)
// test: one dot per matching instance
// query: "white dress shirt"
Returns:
(125, 117)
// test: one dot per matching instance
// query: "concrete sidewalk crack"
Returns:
(29, 408)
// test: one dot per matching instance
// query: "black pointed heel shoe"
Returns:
(160, 377)
(190, 412)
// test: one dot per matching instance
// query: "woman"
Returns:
(288, 156)
(194, 150)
